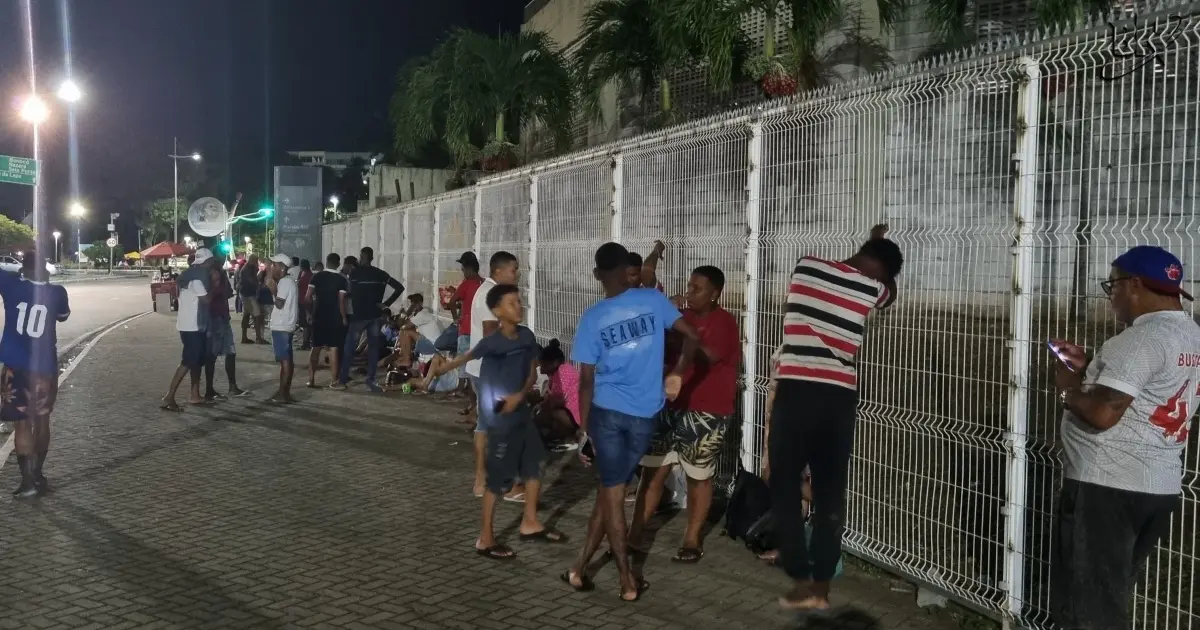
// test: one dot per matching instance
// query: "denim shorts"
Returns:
(620, 441)
(425, 346)
(281, 342)
(195, 348)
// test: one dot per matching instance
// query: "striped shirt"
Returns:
(827, 307)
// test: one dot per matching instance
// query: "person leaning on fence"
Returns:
(1124, 428)
(812, 423)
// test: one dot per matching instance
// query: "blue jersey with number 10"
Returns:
(32, 311)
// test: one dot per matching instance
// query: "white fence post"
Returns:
(407, 247)
(532, 273)
(618, 175)
(750, 316)
(381, 253)
(1024, 215)
(479, 229)
(435, 282)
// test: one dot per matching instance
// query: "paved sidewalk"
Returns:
(345, 510)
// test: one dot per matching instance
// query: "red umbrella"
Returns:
(166, 250)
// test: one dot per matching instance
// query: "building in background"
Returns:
(337, 160)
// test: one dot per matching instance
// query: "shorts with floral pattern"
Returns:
(692, 439)
(26, 395)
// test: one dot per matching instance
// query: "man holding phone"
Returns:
(1124, 428)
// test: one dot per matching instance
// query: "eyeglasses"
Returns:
(1107, 285)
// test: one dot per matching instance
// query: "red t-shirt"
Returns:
(305, 280)
(466, 294)
(711, 385)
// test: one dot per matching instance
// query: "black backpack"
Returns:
(748, 514)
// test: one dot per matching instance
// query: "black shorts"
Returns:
(514, 450)
(328, 332)
(1104, 536)
(26, 394)
(195, 348)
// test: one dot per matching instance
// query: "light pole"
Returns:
(56, 235)
(77, 211)
(175, 157)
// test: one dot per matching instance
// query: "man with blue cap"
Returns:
(1124, 429)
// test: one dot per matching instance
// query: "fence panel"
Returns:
(391, 230)
(422, 250)
(574, 218)
(456, 235)
(505, 224)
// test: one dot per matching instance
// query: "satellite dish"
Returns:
(208, 216)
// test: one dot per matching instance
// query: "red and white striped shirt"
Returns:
(827, 307)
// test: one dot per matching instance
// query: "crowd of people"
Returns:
(651, 384)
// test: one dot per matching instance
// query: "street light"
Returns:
(34, 110)
(69, 91)
(57, 235)
(77, 211)
(175, 157)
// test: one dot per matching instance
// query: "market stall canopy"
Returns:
(133, 255)
(166, 250)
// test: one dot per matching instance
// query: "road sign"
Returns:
(18, 170)
(111, 242)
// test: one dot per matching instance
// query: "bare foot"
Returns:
(803, 598)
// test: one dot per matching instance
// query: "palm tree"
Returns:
(476, 92)
(637, 43)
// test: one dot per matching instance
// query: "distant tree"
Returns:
(156, 220)
(351, 188)
(14, 235)
(97, 252)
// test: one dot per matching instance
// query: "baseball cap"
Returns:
(1158, 269)
(469, 259)
(202, 255)
(282, 259)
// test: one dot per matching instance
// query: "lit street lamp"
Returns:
(34, 110)
(69, 91)
(56, 235)
(175, 157)
(77, 211)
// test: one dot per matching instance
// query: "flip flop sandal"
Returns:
(516, 498)
(547, 535)
(642, 587)
(172, 407)
(585, 583)
(496, 552)
(688, 555)
(242, 394)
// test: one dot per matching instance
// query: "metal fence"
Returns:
(1010, 179)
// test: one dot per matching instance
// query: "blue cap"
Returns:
(1158, 268)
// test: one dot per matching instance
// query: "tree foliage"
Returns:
(14, 235)
(474, 91)
(97, 252)
(157, 220)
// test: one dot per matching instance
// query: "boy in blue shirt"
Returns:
(507, 374)
(29, 351)
(619, 344)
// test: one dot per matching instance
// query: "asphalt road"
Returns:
(96, 303)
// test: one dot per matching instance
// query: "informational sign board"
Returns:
(298, 208)
(18, 170)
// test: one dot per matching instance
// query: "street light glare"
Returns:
(69, 91)
(196, 157)
(77, 210)
(247, 239)
(56, 234)
(34, 110)
(334, 200)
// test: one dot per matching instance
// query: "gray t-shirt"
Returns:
(1157, 362)
(504, 368)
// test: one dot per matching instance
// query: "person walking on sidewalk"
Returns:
(252, 311)
(285, 292)
(619, 345)
(192, 323)
(1126, 414)
(507, 375)
(220, 335)
(29, 352)
(368, 284)
(327, 294)
(812, 423)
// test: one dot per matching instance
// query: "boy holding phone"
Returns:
(507, 374)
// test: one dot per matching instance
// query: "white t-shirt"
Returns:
(479, 313)
(188, 319)
(1157, 362)
(284, 319)
(427, 324)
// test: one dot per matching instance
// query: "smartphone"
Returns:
(586, 449)
(1058, 352)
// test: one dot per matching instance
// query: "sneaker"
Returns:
(27, 490)
(374, 387)
(42, 486)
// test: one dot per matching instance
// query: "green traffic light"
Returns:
(267, 211)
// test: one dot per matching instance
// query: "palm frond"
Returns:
(1069, 12)
(947, 18)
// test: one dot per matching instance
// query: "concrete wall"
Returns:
(415, 183)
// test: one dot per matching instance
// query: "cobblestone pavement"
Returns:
(345, 510)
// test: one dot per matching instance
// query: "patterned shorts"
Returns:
(25, 394)
(693, 439)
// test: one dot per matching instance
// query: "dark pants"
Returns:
(373, 343)
(1103, 539)
(812, 424)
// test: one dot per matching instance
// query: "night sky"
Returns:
(241, 81)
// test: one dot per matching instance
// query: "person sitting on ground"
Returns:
(446, 382)
(557, 415)
(418, 332)
(507, 374)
